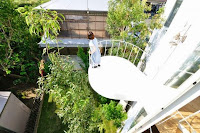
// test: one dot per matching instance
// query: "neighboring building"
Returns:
(81, 16)
(13, 113)
(174, 60)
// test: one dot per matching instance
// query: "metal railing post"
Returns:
(124, 49)
(118, 48)
(111, 49)
(144, 53)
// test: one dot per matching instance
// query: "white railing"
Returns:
(183, 119)
(122, 49)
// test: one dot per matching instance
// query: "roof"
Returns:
(67, 42)
(4, 95)
(76, 5)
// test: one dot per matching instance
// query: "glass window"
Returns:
(83, 25)
(75, 17)
(92, 25)
(189, 67)
(100, 25)
(77, 26)
(73, 25)
(139, 117)
(100, 18)
(92, 18)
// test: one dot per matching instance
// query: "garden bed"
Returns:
(49, 122)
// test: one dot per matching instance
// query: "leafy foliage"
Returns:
(114, 112)
(70, 92)
(42, 21)
(127, 21)
(32, 3)
(84, 57)
(19, 52)
(46, 67)
(109, 117)
(75, 101)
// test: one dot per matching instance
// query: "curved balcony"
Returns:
(120, 78)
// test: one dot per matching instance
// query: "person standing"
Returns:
(94, 50)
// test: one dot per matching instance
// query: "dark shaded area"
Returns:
(68, 50)
(154, 8)
(154, 130)
(3, 130)
(34, 116)
(6, 84)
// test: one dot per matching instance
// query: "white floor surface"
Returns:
(117, 78)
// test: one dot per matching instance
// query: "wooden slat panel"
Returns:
(171, 125)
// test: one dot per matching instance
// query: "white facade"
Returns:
(174, 60)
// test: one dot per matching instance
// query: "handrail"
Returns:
(113, 48)
(189, 116)
(186, 121)
(168, 118)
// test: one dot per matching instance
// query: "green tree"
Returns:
(127, 21)
(19, 52)
(71, 93)
(108, 117)
(84, 57)
(32, 3)
(43, 23)
(75, 100)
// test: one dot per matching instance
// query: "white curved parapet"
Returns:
(119, 79)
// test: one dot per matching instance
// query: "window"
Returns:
(78, 25)
(139, 117)
(189, 67)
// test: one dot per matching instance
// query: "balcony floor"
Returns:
(171, 125)
(119, 79)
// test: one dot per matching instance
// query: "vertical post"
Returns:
(105, 49)
(124, 49)
(100, 47)
(111, 48)
(131, 52)
(118, 48)
(151, 130)
(88, 17)
(136, 56)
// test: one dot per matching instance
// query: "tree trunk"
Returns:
(10, 75)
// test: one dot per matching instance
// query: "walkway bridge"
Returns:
(120, 78)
